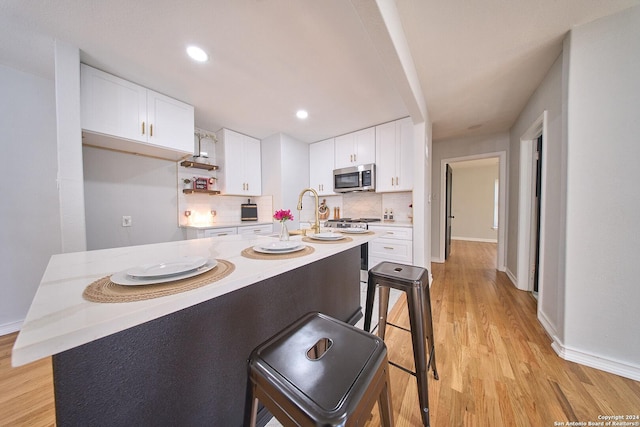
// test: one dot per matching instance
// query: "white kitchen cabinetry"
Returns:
(256, 230)
(238, 157)
(321, 158)
(120, 110)
(395, 244)
(201, 233)
(356, 148)
(394, 156)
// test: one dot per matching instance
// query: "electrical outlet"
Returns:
(127, 221)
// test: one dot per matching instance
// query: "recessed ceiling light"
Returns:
(302, 114)
(197, 54)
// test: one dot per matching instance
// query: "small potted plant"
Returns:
(283, 216)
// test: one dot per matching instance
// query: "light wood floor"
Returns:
(495, 362)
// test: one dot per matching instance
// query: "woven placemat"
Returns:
(310, 240)
(104, 290)
(250, 253)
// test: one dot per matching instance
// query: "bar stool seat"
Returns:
(320, 371)
(414, 281)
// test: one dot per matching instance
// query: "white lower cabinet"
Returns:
(256, 230)
(245, 230)
(395, 244)
(194, 233)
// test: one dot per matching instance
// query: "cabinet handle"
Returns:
(355, 158)
(396, 180)
(388, 247)
(391, 180)
(151, 129)
(143, 128)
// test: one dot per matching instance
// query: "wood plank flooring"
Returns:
(495, 362)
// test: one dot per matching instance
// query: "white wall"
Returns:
(548, 96)
(603, 197)
(472, 202)
(144, 188)
(454, 148)
(29, 211)
(285, 173)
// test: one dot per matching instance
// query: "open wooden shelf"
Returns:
(190, 164)
(192, 191)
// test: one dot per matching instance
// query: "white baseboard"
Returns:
(9, 328)
(511, 277)
(437, 260)
(547, 325)
(475, 239)
(597, 362)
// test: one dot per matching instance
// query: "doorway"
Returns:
(445, 231)
(531, 219)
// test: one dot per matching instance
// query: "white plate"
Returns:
(353, 230)
(278, 246)
(166, 269)
(260, 248)
(327, 236)
(122, 278)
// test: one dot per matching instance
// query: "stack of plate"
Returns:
(354, 230)
(327, 236)
(163, 272)
(279, 247)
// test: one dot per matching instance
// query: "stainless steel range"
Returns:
(364, 248)
(350, 222)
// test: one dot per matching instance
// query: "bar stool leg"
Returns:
(428, 327)
(384, 401)
(368, 312)
(383, 307)
(416, 318)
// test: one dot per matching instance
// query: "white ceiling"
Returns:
(478, 61)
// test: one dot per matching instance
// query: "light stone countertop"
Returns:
(60, 319)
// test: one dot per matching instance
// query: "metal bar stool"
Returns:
(320, 372)
(414, 281)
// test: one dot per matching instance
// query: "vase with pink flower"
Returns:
(283, 216)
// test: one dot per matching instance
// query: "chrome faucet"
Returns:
(316, 225)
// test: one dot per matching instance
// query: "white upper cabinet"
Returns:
(321, 158)
(238, 157)
(356, 148)
(394, 156)
(121, 110)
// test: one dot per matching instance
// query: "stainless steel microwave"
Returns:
(355, 178)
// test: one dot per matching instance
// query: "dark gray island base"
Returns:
(189, 368)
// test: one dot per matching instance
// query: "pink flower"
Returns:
(283, 215)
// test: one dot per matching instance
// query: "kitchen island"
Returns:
(178, 359)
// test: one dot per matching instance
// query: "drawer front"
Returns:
(392, 250)
(260, 230)
(216, 232)
(400, 233)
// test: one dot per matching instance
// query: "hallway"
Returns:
(495, 361)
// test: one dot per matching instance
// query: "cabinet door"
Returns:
(365, 146)
(232, 164)
(170, 122)
(252, 166)
(404, 155)
(345, 151)
(112, 106)
(321, 158)
(386, 157)
(356, 148)
(240, 167)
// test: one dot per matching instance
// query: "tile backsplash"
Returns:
(364, 205)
